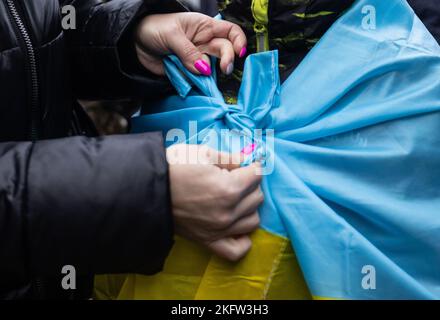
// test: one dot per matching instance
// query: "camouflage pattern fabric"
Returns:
(294, 27)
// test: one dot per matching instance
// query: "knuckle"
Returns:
(234, 255)
(223, 220)
(209, 29)
(237, 252)
(189, 51)
(174, 27)
(228, 195)
(232, 193)
(222, 186)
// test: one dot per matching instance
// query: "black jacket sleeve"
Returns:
(99, 204)
(104, 63)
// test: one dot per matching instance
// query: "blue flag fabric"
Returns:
(350, 145)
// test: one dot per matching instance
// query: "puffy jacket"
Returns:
(100, 204)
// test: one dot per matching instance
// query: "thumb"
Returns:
(189, 54)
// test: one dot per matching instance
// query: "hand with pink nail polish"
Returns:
(191, 36)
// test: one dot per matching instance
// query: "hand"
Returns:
(214, 203)
(190, 36)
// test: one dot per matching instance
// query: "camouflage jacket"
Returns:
(291, 26)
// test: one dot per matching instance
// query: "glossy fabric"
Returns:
(355, 155)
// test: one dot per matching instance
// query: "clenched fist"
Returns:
(214, 201)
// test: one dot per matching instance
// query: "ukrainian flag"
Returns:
(352, 185)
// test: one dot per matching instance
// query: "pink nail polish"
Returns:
(249, 149)
(203, 67)
(243, 52)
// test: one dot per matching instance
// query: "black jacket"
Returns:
(99, 204)
(429, 12)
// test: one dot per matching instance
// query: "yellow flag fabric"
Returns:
(269, 271)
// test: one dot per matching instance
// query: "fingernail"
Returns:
(230, 69)
(243, 52)
(249, 149)
(203, 67)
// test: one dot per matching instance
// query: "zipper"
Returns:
(39, 288)
(32, 69)
(31, 66)
(260, 13)
(262, 36)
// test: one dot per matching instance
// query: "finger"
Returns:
(222, 49)
(247, 178)
(229, 161)
(245, 225)
(206, 58)
(232, 249)
(248, 204)
(223, 160)
(232, 32)
(189, 54)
